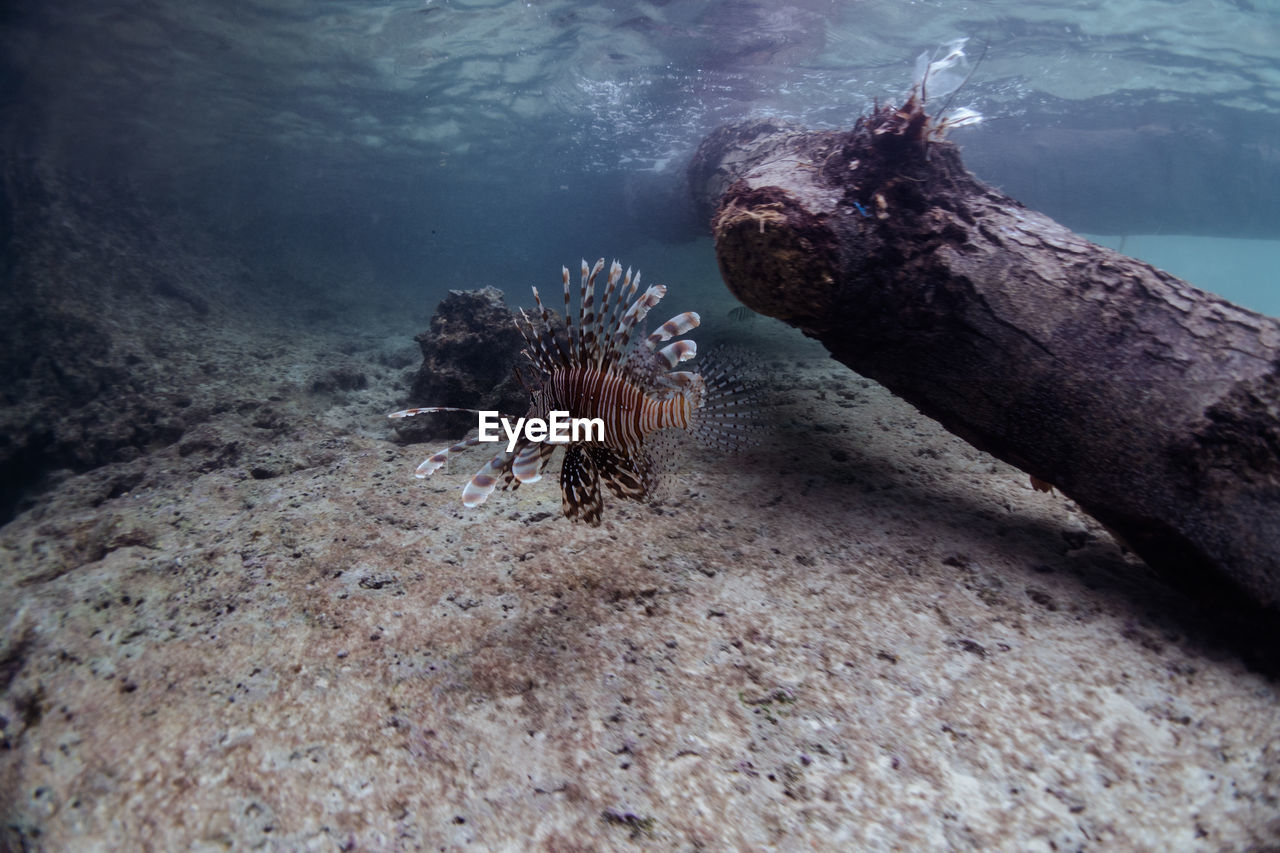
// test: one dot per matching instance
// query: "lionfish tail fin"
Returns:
(726, 413)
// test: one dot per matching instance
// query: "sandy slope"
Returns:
(862, 635)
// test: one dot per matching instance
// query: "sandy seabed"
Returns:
(861, 635)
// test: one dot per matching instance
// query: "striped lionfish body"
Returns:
(590, 370)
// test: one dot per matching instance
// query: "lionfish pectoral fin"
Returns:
(580, 487)
(433, 462)
(678, 352)
(674, 327)
(425, 410)
(527, 466)
(725, 414)
(482, 484)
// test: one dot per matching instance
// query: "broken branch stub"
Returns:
(1154, 405)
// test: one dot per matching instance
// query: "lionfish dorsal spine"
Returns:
(586, 304)
(604, 320)
(536, 349)
(634, 314)
(618, 342)
(568, 317)
(544, 338)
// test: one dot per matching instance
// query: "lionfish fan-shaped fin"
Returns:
(482, 484)
(665, 463)
(527, 465)
(727, 416)
(678, 352)
(433, 462)
(674, 327)
(580, 486)
(626, 476)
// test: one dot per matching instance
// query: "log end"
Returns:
(776, 256)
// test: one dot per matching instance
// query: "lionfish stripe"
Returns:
(586, 295)
(626, 477)
(431, 464)
(536, 349)
(618, 338)
(545, 451)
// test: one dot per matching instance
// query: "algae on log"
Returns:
(1154, 405)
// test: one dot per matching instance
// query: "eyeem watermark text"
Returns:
(558, 428)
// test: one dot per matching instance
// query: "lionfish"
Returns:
(591, 371)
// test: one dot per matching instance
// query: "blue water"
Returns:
(451, 144)
(1245, 271)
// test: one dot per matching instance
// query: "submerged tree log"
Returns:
(1154, 405)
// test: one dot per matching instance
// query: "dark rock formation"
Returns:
(469, 357)
(97, 318)
(1156, 406)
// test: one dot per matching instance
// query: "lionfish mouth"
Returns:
(590, 369)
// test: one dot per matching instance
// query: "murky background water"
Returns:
(434, 144)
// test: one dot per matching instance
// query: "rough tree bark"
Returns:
(1154, 405)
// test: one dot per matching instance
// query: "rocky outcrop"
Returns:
(98, 328)
(469, 355)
